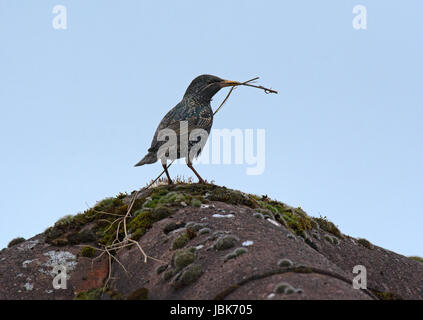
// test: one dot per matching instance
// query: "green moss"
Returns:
(191, 274)
(52, 233)
(386, 295)
(302, 269)
(265, 212)
(122, 195)
(236, 253)
(196, 203)
(230, 256)
(365, 243)
(194, 226)
(149, 203)
(139, 294)
(172, 226)
(225, 242)
(88, 252)
(161, 196)
(182, 258)
(420, 259)
(314, 224)
(289, 290)
(85, 236)
(204, 231)
(231, 196)
(161, 269)
(92, 294)
(312, 244)
(328, 226)
(240, 251)
(68, 229)
(328, 238)
(144, 219)
(273, 209)
(137, 226)
(161, 212)
(15, 241)
(60, 242)
(294, 219)
(180, 241)
(83, 218)
(254, 197)
(297, 223)
(109, 203)
(170, 198)
(285, 263)
(168, 274)
(283, 288)
(115, 295)
(137, 234)
(66, 220)
(258, 215)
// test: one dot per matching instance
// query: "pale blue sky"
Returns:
(343, 137)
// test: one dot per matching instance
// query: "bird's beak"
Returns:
(228, 83)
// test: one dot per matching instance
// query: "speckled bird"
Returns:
(196, 110)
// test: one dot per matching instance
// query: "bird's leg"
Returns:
(189, 164)
(169, 180)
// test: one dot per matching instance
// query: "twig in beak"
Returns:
(245, 83)
(266, 90)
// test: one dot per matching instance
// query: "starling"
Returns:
(193, 110)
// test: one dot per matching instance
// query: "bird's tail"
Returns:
(149, 158)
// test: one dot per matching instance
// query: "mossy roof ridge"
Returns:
(98, 224)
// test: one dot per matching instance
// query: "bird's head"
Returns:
(206, 86)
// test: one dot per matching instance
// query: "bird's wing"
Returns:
(181, 112)
(204, 119)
